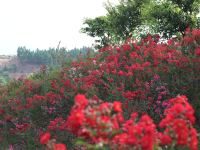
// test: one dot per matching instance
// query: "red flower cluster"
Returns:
(143, 75)
(51, 145)
(104, 125)
(139, 134)
(178, 124)
(94, 121)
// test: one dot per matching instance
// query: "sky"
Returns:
(43, 23)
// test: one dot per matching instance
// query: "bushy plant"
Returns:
(141, 75)
(101, 125)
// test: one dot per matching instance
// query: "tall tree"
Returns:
(166, 17)
(100, 28)
(172, 17)
(121, 20)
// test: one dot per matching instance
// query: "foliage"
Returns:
(102, 126)
(123, 19)
(4, 79)
(130, 17)
(98, 27)
(52, 56)
(117, 25)
(173, 17)
(4, 73)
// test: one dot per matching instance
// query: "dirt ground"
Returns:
(22, 69)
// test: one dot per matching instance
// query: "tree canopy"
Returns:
(165, 17)
(174, 16)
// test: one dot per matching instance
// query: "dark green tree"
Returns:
(100, 28)
(198, 22)
(119, 23)
(172, 17)
(131, 17)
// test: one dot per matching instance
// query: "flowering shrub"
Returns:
(51, 145)
(158, 94)
(178, 123)
(101, 124)
(138, 76)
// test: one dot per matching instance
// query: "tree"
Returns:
(172, 17)
(98, 27)
(125, 17)
(198, 22)
(166, 17)
(121, 20)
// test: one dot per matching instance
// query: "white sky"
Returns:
(43, 23)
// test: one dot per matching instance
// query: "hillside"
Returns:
(29, 61)
(11, 66)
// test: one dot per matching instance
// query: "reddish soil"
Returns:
(22, 69)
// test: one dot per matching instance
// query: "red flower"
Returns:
(2, 111)
(117, 106)
(81, 100)
(179, 118)
(126, 47)
(104, 106)
(197, 51)
(75, 120)
(45, 138)
(165, 139)
(147, 142)
(59, 147)
(194, 140)
(105, 119)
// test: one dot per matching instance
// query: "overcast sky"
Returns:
(43, 23)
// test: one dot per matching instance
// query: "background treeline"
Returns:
(51, 56)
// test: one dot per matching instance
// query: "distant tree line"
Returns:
(50, 56)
